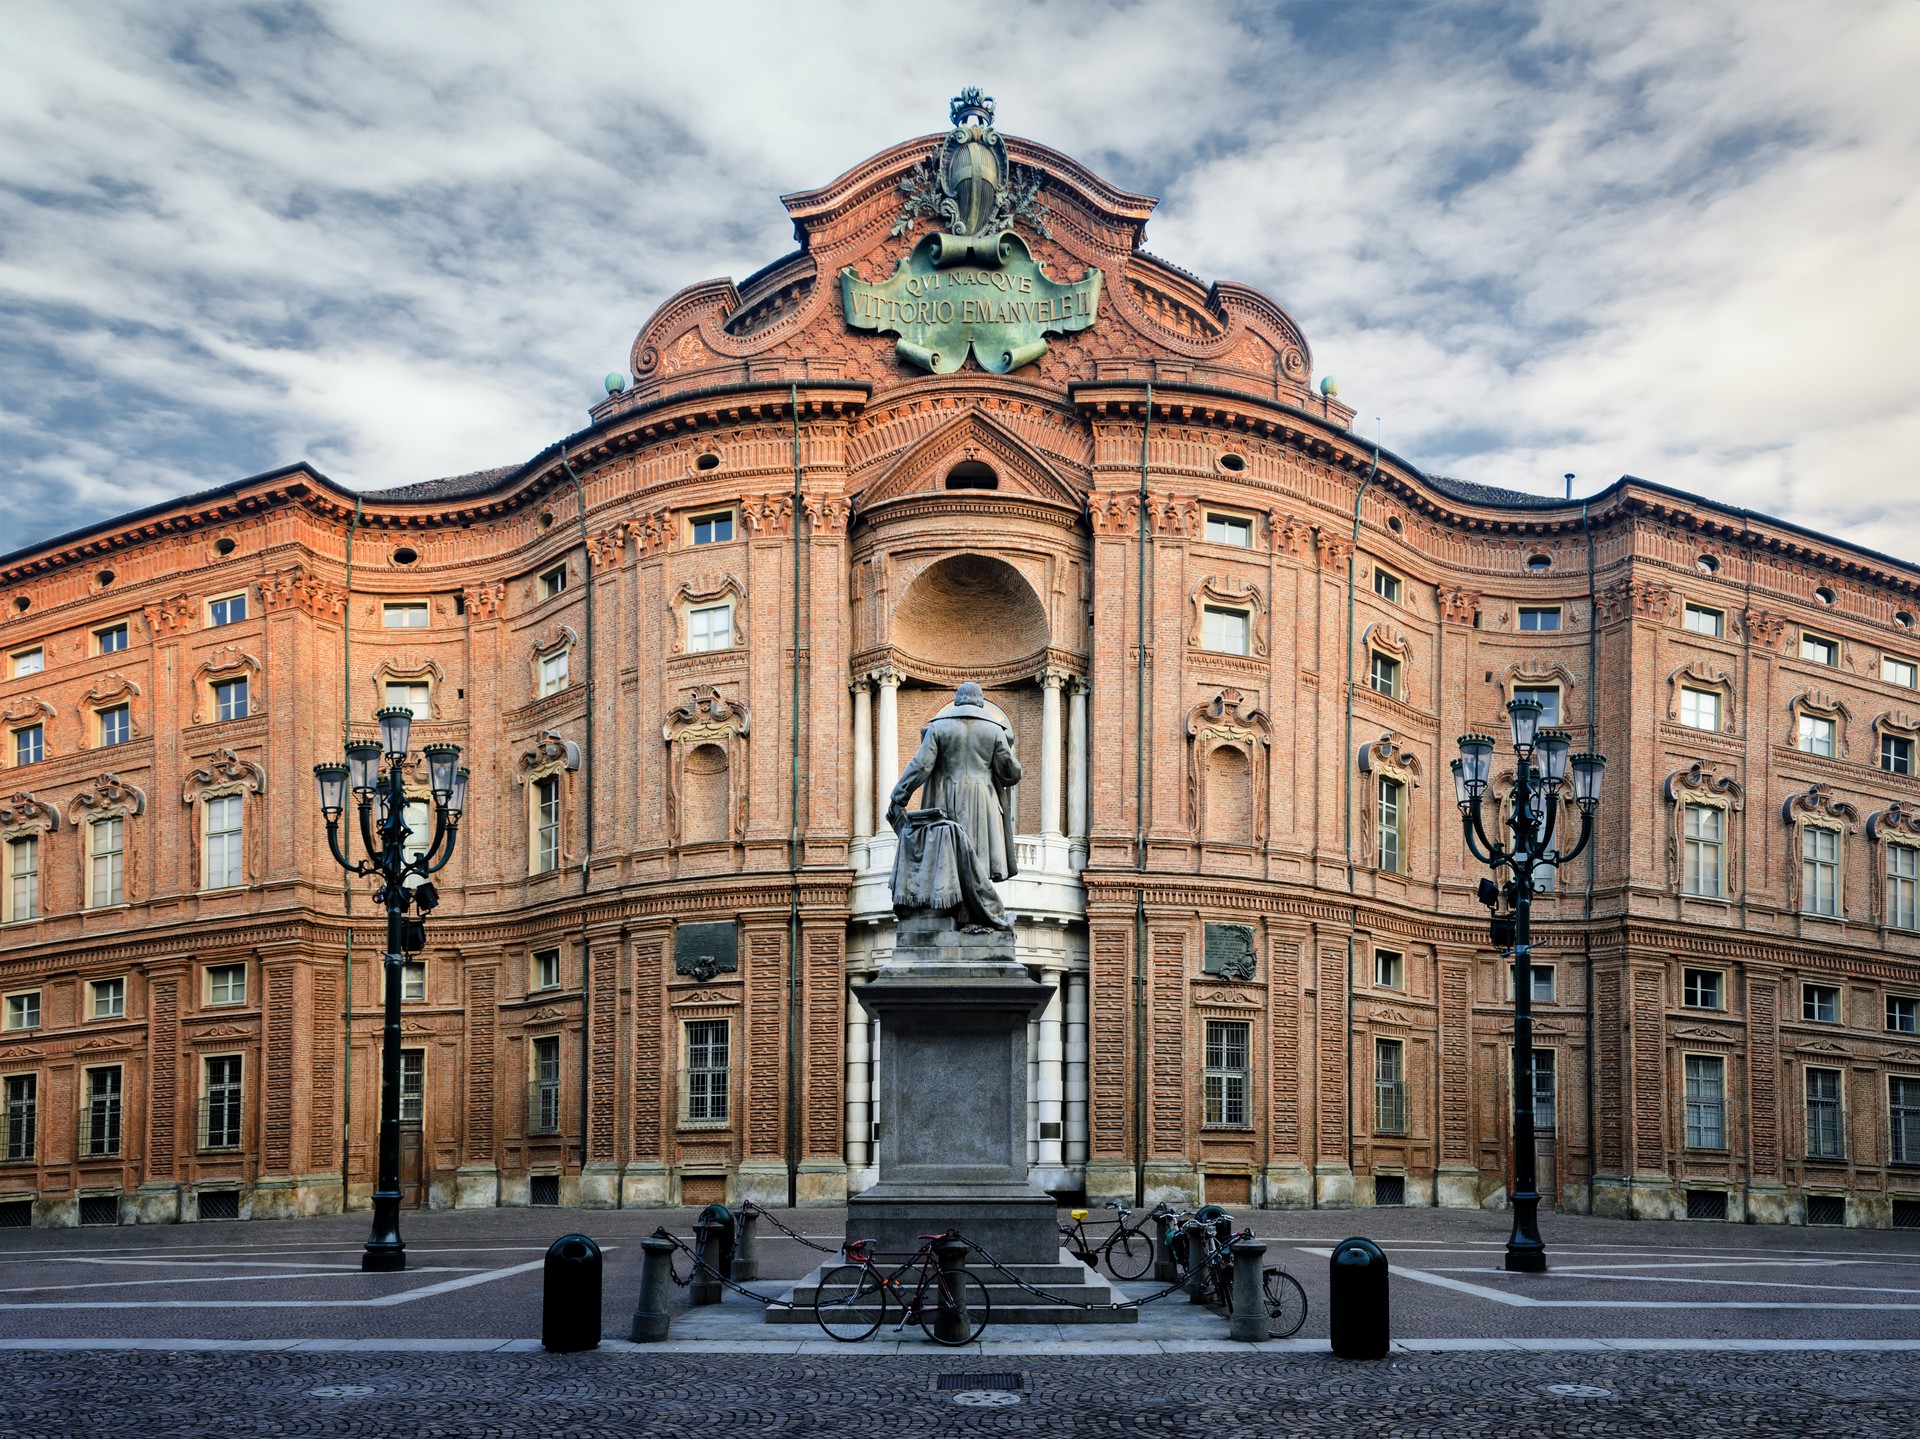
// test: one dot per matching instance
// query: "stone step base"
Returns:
(1011, 1304)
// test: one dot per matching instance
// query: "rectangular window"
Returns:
(413, 981)
(23, 1114)
(553, 582)
(1384, 675)
(1541, 617)
(1545, 985)
(405, 615)
(29, 662)
(116, 725)
(546, 969)
(1703, 621)
(707, 1067)
(227, 610)
(220, 1103)
(227, 984)
(546, 824)
(413, 696)
(1706, 1101)
(1819, 649)
(1546, 878)
(1224, 631)
(1816, 734)
(223, 841)
(30, 744)
(1229, 1069)
(1820, 1003)
(1391, 792)
(23, 877)
(1387, 585)
(230, 700)
(106, 880)
(109, 998)
(1903, 1116)
(1549, 701)
(1546, 1092)
(1389, 1087)
(1230, 530)
(710, 628)
(1896, 754)
(1896, 671)
(1819, 870)
(1701, 867)
(23, 1010)
(100, 1136)
(1825, 1137)
(712, 529)
(1701, 988)
(1389, 969)
(413, 1085)
(553, 673)
(543, 1105)
(1903, 1014)
(1699, 709)
(111, 640)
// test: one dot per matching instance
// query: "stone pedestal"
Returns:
(952, 1142)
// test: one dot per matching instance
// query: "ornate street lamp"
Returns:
(403, 884)
(1540, 776)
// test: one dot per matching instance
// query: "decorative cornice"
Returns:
(1699, 778)
(705, 714)
(107, 794)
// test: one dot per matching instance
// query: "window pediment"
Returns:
(111, 687)
(1817, 806)
(1532, 674)
(1701, 674)
(705, 714)
(1384, 756)
(1382, 636)
(1898, 820)
(1233, 593)
(1699, 783)
(223, 773)
(548, 754)
(24, 814)
(971, 437)
(228, 662)
(27, 708)
(106, 795)
(554, 639)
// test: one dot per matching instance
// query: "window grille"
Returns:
(1389, 1189)
(217, 1204)
(220, 1103)
(1389, 1086)
(1825, 1117)
(413, 1084)
(706, 1073)
(1706, 1204)
(1706, 1102)
(100, 1122)
(99, 1209)
(23, 1115)
(1229, 1069)
(543, 1104)
(1903, 1116)
(1826, 1209)
(1545, 1092)
(543, 1190)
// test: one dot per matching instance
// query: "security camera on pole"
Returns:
(1533, 803)
(403, 884)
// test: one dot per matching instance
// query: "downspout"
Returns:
(1346, 789)
(586, 784)
(1140, 839)
(793, 847)
(1593, 847)
(346, 885)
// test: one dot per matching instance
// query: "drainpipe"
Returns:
(1346, 789)
(346, 885)
(1140, 840)
(586, 784)
(1593, 844)
(793, 846)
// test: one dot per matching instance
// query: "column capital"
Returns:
(861, 684)
(1052, 677)
(888, 678)
(1078, 684)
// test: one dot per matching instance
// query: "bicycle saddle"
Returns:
(1077, 1214)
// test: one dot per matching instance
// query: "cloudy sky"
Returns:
(407, 240)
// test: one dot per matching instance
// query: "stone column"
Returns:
(1050, 682)
(863, 808)
(1050, 1088)
(859, 1088)
(1075, 1073)
(1077, 818)
(886, 770)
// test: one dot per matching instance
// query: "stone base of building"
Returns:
(1638, 1196)
(822, 1184)
(1456, 1186)
(1332, 1186)
(600, 1186)
(1109, 1179)
(299, 1197)
(476, 1186)
(645, 1185)
(1287, 1186)
(1171, 1181)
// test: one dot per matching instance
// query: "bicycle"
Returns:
(852, 1299)
(1127, 1252)
(1285, 1301)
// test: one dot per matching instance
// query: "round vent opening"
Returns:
(1707, 565)
(1393, 523)
(708, 461)
(546, 519)
(405, 556)
(104, 578)
(1904, 619)
(223, 547)
(1539, 562)
(972, 475)
(1231, 461)
(1824, 595)
(21, 604)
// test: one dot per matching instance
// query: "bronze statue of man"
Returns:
(952, 850)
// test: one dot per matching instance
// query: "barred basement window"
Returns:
(1827, 1209)
(1706, 1102)
(1546, 1091)
(23, 1114)
(706, 1090)
(1825, 1117)
(1229, 1070)
(100, 1122)
(1706, 1204)
(413, 1085)
(1903, 1119)
(543, 1093)
(1389, 1189)
(16, 1214)
(1389, 1087)
(217, 1204)
(99, 1209)
(1906, 1214)
(543, 1190)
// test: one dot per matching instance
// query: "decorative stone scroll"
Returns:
(111, 687)
(297, 587)
(106, 795)
(484, 601)
(224, 772)
(706, 738)
(548, 754)
(1818, 803)
(22, 814)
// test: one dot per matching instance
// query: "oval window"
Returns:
(708, 461)
(1538, 562)
(104, 578)
(546, 519)
(1824, 595)
(223, 547)
(1904, 619)
(1707, 565)
(21, 604)
(1231, 461)
(405, 556)
(1393, 523)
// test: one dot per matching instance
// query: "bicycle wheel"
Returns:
(1217, 1282)
(851, 1302)
(979, 1306)
(1129, 1254)
(1286, 1303)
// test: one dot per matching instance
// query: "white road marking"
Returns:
(384, 1301)
(217, 1279)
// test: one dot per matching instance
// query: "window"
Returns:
(109, 998)
(30, 744)
(413, 981)
(1703, 621)
(1549, 701)
(1387, 585)
(230, 700)
(1230, 530)
(1224, 630)
(227, 984)
(1229, 1067)
(553, 582)
(712, 529)
(543, 1104)
(1706, 1101)
(23, 1114)
(1816, 734)
(1896, 754)
(710, 628)
(1699, 709)
(546, 969)
(1546, 1092)
(413, 1084)
(553, 673)
(546, 824)
(1701, 871)
(111, 640)
(23, 1010)
(1896, 671)
(1389, 1087)
(220, 1103)
(1819, 649)
(408, 615)
(1820, 1003)
(107, 855)
(1903, 1116)
(413, 696)
(1819, 870)
(1824, 1133)
(29, 662)
(100, 1125)
(1542, 617)
(1903, 1014)
(1384, 675)
(223, 842)
(706, 1087)
(23, 877)
(227, 610)
(1544, 984)
(1546, 878)
(1701, 988)
(1389, 969)
(116, 725)
(1903, 869)
(1391, 791)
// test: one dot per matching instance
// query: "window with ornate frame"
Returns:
(414, 696)
(1896, 753)
(116, 725)
(1701, 870)
(1548, 698)
(1826, 1114)
(1225, 630)
(1228, 1081)
(1903, 886)
(543, 1085)
(544, 804)
(1816, 734)
(1706, 1100)
(1700, 709)
(709, 628)
(22, 892)
(107, 861)
(1820, 877)
(1383, 674)
(706, 1068)
(1390, 828)
(223, 836)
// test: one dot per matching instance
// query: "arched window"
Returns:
(972, 475)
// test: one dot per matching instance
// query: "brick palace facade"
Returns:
(686, 650)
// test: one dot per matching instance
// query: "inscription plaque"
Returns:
(1229, 951)
(704, 950)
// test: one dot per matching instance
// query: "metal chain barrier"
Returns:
(700, 1263)
(751, 1208)
(1061, 1299)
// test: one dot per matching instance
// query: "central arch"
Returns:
(970, 612)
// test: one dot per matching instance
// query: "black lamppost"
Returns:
(1540, 775)
(385, 842)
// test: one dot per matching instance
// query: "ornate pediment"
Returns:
(1227, 716)
(105, 795)
(1898, 818)
(1701, 779)
(1382, 636)
(1233, 592)
(1818, 803)
(22, 812)
(971, 437)
(26, 708)
(547, 753)
(1385, 755)
(705, 714)
(111, 687)
(224, 772)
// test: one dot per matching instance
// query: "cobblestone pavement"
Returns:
(155, 1395)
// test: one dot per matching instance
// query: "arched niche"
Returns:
(970, 616)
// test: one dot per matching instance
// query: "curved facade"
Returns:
(687, 650)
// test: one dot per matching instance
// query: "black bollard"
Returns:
(746, 1255)
(1357, 1318)
(656, 1276)
(570, 1304)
